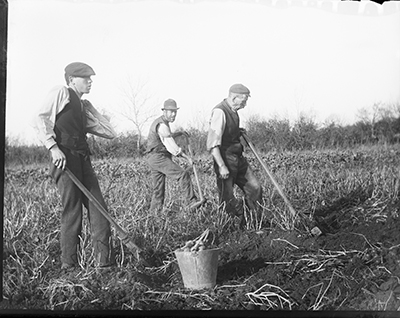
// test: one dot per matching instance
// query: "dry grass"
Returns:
(366, 189)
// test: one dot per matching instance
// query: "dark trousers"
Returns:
(71, 218)
(162, 166)
(240, 174)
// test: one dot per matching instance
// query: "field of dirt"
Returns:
(354, 265)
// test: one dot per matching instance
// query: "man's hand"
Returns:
(224, 172)
(58, 157)
(223, 169)
(188, 158)
(86, 103)
(242, 131)
(195, 161)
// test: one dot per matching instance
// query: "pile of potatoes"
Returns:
(199, 244)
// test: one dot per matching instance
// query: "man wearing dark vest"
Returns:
(63, 122)
(161, 146)
(223, 141)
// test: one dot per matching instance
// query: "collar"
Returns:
(229, 105)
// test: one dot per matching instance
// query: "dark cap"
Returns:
(239, 89)
(170, 104)
(79, 69)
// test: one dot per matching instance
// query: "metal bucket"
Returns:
(198, 269)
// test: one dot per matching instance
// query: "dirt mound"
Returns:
(353, 265)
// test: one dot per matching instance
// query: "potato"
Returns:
(189, 243)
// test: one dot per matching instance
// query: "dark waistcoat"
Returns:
(153, 141)
(70, 126)
(231, 135)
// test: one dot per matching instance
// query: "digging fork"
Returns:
(202, 199)
(196, 176)
(315, 230)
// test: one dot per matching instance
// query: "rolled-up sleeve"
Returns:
(166, 138)
(55, 101)
(216, 129)
(171, 146)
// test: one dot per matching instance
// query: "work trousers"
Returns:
(240, 174)
(71, 218)
(162, 166)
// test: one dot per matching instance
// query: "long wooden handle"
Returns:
(198, 182)
(195, 172)
(253, 149)
(120, 230)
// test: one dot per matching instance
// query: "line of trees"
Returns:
(380, 124)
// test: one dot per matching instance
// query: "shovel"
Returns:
(138, 252)
(315, 230)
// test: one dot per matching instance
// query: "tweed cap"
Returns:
(79, 69)
(170, 104)
(239, 89)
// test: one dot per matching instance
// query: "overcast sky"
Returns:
(327, 61)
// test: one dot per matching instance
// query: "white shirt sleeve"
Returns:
(216, 128)
(166, 138)
(54, 103)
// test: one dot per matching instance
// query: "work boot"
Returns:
(173, 208)
(193, 206)
(68, 267)
(242, 221)
(105, 269)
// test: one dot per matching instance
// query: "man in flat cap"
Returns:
(223, 141)
(161, 146)
(63, 122)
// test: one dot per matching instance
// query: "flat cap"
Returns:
(239, 89)
(170, 104)
(79, 69)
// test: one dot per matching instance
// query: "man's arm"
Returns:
(214, 140)
(55, 101)
(168, 141)
(96, 123)
(166, 138)
(216, 129)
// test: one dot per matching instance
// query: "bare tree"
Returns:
(370, 117)
(395, 108)
(137, 107)
(382, 120)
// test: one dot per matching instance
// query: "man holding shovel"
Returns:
(161, 146)
(63, 121)
(223, 141)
